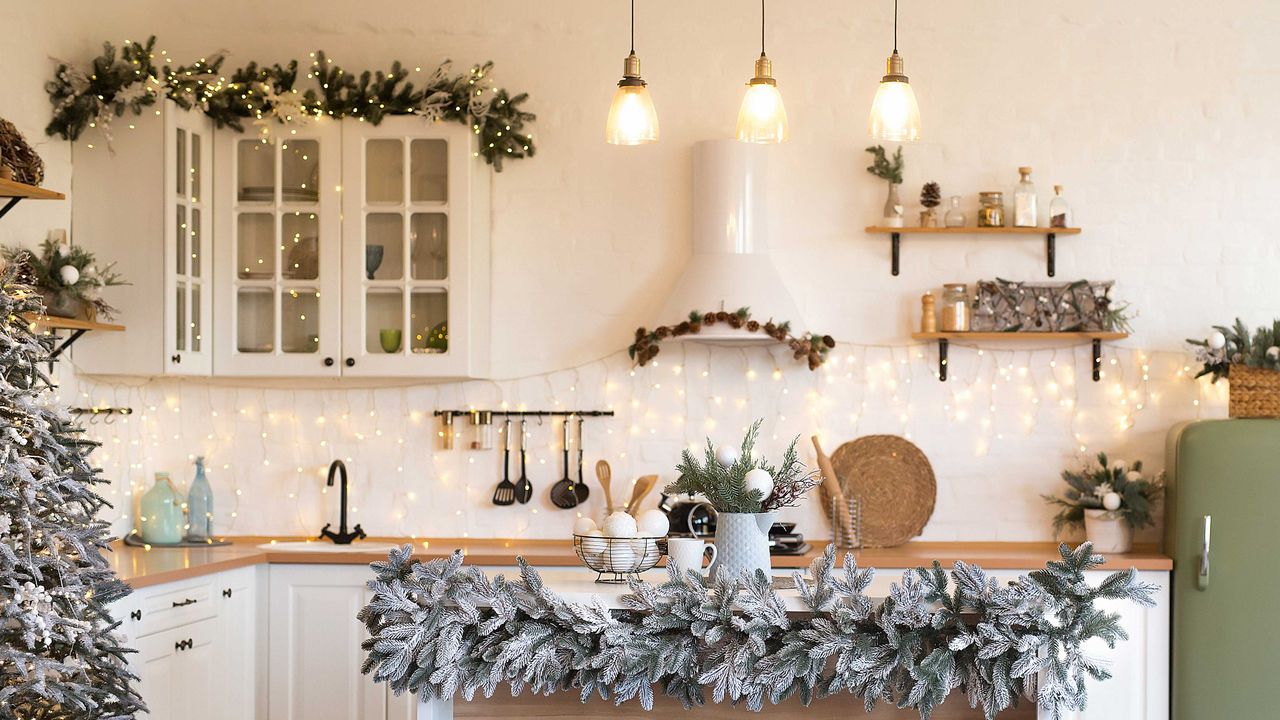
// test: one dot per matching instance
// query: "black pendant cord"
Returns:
(633, 27)
(895, 26)
(762, 28)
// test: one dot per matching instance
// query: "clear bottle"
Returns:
(446, 431)
(1024, 201)
(991, 209)
(161, 521)
(955, 216)
(200, 506)
(482, 430)
(1059, 210)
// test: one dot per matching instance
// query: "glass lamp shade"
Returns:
(632, 117)
(895, 116)
(762, 117)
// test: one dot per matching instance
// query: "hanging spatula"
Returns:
(563, 495)
(580, 487)
(505, 493)
(524, 488)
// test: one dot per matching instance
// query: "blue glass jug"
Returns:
(199, 506)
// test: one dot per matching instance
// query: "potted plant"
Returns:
(746, 493)
(1251, 364)
(930, 198)
(68, 278)
(1110, 501)
(891, 172)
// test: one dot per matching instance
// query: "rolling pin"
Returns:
(832, 486)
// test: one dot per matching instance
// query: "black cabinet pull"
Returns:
(184, 645)
(226, 593)
(184, 603)
(328, 362)
(175, 359)
(351, 362)
(136, 614)
(177, 647)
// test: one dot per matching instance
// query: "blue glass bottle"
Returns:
(200, 506)
(161, 522)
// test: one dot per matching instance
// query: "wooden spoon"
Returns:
(605, 474)
(639, 491)
(832, 485)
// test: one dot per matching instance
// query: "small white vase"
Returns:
(1108, 531)
(742, 545)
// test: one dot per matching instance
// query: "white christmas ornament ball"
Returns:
(1119, 465)
(69, 274)
(583, 526)
(1273, 353)
(619, 557)
(653, 523)
(620, 525)
(61, 249)
(759, 479)
(1133, 476)
(727, 455)
(1111, 501)
(1217, 340)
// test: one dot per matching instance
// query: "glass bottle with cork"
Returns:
(1024, 200)
(1059, 210)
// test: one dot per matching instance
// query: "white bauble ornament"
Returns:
(1217, 340)
(759, 479)
(1119, 465)
(727, 455)
(619, 525)
(1133, 476)
(1273, 353)
(653, 523)
(592, 545)
(69, 274)
(619, 557)
(61, 249)
(1111, 501)
(583, 526)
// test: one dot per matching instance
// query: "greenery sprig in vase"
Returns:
(891, 172)
(1235, 345)
(68, 277)
(1110, 497)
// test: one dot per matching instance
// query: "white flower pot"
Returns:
(742, 545)
(1108, 531)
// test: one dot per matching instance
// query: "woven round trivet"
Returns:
(894, 484)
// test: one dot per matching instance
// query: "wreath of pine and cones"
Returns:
(810, 347)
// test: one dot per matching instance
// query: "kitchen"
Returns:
(264, 334)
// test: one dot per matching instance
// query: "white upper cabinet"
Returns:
(279, 273)
(409, 255)
(146, 205)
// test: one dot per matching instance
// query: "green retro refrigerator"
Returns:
(1222, 527)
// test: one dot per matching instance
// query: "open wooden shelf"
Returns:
(1090, 336)
(11, 189)
(48, 322)
(1050, 235)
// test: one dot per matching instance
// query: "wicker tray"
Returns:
(894, 484)
(1253, 392)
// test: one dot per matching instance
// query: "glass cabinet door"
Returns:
(399, 214)
(187, 180)
(283, 231)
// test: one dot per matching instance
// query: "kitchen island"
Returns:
(281, 620)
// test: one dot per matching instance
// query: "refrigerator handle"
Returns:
(1202, 577)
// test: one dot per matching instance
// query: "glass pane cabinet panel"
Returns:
(256, 254)
(196, 331)
(384, 171)
(181, 160)
(195, 168)
(428, 317)
(300, 320)
(256, 179)
(195, 242)
(180, 315)
(429, 180)
(300, 171)
(255, 320)
(384, 246)
(180, 240)
(384, 316)
(300, 246)
(429, 245)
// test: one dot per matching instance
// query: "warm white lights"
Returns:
(762, 117)
(895, 116)
(632, 118)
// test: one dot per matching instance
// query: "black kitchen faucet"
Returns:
(342, 537)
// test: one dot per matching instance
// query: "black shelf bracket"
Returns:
(943, 345)
(1097, 359)
(897, 252)
(1051, 242)
(9, 206)
(61, 347)
(528, 413)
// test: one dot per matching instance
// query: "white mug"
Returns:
(687, 553)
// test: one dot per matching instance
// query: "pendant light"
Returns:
(895, 116)
(632, 117)
(762, 117)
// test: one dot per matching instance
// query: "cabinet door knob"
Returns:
(226, 593)
(178, 646)
(351, 362)
(328, 362)
(136, 615)
(175, 358)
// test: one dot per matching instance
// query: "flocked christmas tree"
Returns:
(59, 655)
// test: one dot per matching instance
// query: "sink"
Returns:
(322, 546)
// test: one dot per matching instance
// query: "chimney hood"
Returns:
(731, 267)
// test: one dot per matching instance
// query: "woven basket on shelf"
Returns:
(1254, 392)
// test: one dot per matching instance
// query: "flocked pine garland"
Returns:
(810, 347)
(439, 629)
(272, 95)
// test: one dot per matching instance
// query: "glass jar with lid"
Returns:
(991, 209)
(955, 307)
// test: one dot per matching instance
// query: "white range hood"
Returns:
(730, 267)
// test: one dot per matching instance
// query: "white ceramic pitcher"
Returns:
(742, 544)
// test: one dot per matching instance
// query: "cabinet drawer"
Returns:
(171, 606)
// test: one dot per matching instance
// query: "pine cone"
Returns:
(752, 325)
(640, 333)
(815, 361)
(829, 341)
(931, 195)
(769, 327)
(709, 319)
(663, 332)
(681, 329)
(722, 316)
(735, 322)
(695, 328)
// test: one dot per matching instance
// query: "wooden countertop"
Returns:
(142, 567)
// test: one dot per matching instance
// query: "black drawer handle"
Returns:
(184, 603)
(184, 645)
(226, 593)
(136, 614)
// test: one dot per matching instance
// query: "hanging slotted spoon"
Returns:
(524, 488)
(563, 494)
(505, 493)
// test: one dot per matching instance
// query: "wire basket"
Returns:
(616, 560)
(846, 523)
